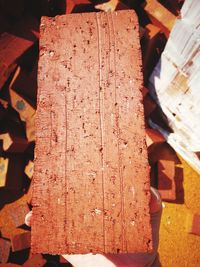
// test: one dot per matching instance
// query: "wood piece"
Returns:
(18, 214)
(4, 250)
(160, 16)
(166, 182)
(13, 44)
(29, 169)
(21, 241)
(35, 261)
(91, 173)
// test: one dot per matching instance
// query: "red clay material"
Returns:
(195, 225)
(21, 241)
(15, 43)
(160, 16)
(18, 213)
(4, 250)
(166, 182)
(91, 173)
(153, 137)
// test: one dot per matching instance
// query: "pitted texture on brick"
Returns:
(91, 177)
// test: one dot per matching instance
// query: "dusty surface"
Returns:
(91, 179)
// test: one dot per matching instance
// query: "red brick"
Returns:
(160, 16)
(35, 261)
(166, 182)
(153, 137)
(21, 241)
(13, 44)
(18, 214)
(91, 173)
(4, 250)
(195, 229)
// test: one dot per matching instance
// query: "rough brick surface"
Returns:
(4, 250)
(21, 241)
(91, 173)
(18, 214)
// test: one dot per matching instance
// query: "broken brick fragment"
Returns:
(18, 213)
(4, 250)
(21, 241)
(166, 180)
